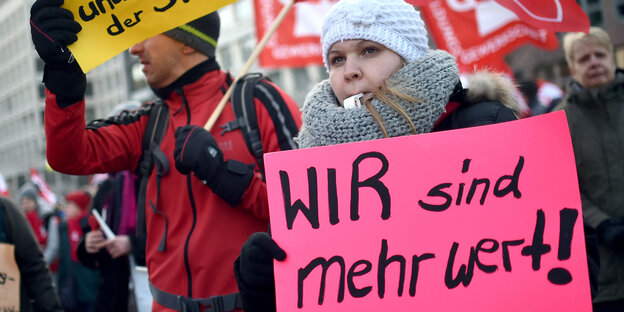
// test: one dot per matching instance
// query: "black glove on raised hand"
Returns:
(254, 272)
(197, 151)
(52, 29)
(611, 234)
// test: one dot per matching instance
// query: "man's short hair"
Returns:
(595, 35)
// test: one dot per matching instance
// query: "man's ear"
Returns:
(187, 50)
(571, 69)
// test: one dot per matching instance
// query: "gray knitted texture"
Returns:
(392, 23)
(431, 78)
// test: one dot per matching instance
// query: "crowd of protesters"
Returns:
(180, 223)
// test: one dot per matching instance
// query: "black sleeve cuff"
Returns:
(69, 84)
(234, 181)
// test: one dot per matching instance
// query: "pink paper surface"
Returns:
(535, 152)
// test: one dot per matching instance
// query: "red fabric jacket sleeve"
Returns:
(72, 149)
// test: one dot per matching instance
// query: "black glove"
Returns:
(254, 272)
(197, 151)
(611, 234)
(593, 257)
(52, 29)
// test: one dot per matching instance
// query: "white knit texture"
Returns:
(393, 23)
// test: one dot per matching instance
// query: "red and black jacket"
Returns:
(203, 234)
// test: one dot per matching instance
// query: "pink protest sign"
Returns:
(480, 219)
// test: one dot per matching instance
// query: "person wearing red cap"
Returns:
(77, 284)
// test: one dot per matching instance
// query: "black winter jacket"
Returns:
(37, 292)
(477, 114)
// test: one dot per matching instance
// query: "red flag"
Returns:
(4, 190)
(44, 190)
(480, 33)
(554, 15)
(297, 40)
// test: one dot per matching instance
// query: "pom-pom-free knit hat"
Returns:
(80, 198)
(201, 34)
(392, 23)
(29, 193)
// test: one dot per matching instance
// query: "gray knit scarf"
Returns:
(431, 78)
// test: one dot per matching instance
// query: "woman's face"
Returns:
(592, 65)
(360, 66)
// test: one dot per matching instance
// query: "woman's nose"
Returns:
(352, 69)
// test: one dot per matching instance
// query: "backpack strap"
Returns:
(245, 112)
(256, 86)
(221, 303)
(151, 154)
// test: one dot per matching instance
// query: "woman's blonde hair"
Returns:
(390, 96)
(596, 34)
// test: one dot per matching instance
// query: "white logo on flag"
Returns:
(309, 17)
(490, 15)
(559, 17)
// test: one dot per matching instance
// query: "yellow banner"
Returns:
(111, 26)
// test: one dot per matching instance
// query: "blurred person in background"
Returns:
(116, 202)
(77, 284)
(116, 258)
(541, 95)
(44, 222)
(594, 104)
(37, 293)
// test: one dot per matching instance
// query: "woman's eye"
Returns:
(370, 50)
(336, 59)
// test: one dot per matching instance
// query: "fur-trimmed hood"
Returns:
(486, 86)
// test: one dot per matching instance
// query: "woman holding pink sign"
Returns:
(383, 82)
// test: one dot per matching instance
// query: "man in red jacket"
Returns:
(198, 216)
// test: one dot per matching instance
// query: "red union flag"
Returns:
(478, 32)
(553, 15)
(44, 190)
(4, 190)
(297, 40)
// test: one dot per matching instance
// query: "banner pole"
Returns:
(254, 55)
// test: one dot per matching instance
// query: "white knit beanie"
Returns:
(392, 23)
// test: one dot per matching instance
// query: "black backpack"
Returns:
(246, 89)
